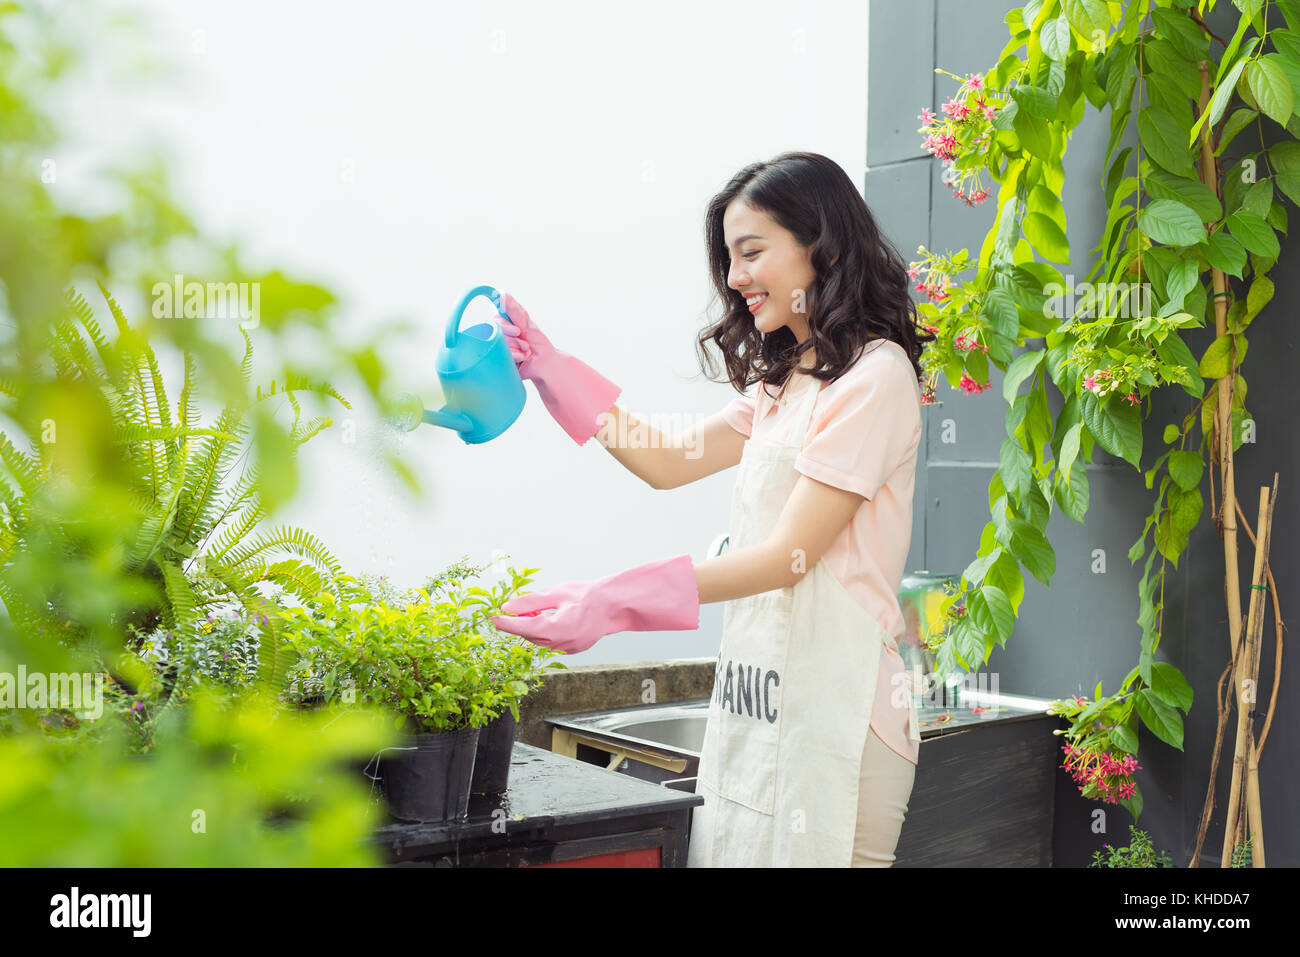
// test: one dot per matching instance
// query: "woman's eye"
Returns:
(747, 255)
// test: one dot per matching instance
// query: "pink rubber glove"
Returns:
(659, 595)
(574, 393)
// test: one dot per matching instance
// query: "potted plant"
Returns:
(514, 665)
(435, 665)
(1139, 853)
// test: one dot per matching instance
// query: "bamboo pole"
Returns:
(1226, 520)
(1241, 675)
(1253, 805)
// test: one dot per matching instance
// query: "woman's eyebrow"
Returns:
(741, 239)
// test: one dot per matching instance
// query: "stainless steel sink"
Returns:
(669, 731)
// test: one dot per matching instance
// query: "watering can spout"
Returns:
(408, 412)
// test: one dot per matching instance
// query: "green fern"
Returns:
(198, 508)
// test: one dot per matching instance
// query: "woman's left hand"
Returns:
(659, 595)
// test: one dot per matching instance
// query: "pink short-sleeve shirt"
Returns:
(864, 437)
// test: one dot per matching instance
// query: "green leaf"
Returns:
(1088, 16)
(1271, 88)
(1222, 97)
(1070, 447)
(1185, 35)
(1161, 719)
(1072, 492)
(1185, 467)
(1180, 281)
(1168, 683)
(1259, 295)
(1032, 548)
(1020, 369)
(1225, 252)
(1192, 193)
(1056, 38)
(1240, 119)
(1117, 427)
(1170, 222)
(1002, 616)
(1254, 233)
(1015, 467)
(1215, 363)
(1285, 158)
(1036, 100)
(1034, 132)
(1161, 137)
(1046, 237)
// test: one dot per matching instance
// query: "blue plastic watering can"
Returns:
(478, 376)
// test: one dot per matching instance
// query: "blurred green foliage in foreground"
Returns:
(109, 512)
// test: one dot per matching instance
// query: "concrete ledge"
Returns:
(622, 685)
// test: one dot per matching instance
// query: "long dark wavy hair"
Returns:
(861, 298)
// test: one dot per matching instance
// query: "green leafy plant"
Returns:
(1139, 853)
(232, 782)
(430, 655)
(1183, 218)
(189, 520)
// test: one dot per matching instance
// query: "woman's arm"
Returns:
(813, 515)
(665, 462)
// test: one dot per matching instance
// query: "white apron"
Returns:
(793, 694)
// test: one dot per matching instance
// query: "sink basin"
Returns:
(677, 730)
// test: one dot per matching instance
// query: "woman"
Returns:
(811, 746)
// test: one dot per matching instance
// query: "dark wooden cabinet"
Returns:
(556, 812)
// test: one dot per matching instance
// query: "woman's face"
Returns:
(767, 260)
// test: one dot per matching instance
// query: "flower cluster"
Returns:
(966, 344)
(967, 127)
(970, 387)
(1099, 774)
(1099, 382)
(935, 289)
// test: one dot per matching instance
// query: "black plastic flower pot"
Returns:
(496, 742)
(426, 777)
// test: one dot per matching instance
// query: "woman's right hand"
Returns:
(527, 342)
(574, 393)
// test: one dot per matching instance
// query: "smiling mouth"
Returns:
(758, 305)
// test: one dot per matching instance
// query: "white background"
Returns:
(561, 152)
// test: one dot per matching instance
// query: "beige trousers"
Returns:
(885, 789)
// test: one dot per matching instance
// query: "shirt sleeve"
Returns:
(867, 423)
(739, 413)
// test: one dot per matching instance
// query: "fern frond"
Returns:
(81, 309)
(242, 527)
(296, 382)
(183, 618)
(311, 429)
(134, 434)
(293, 540)
(199, 500)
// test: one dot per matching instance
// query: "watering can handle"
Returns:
(453, 324)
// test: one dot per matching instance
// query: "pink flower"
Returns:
(926, 116)
(975, 82)
(990, 113)
(1132, 398)
(1090, 383)
(971, 387)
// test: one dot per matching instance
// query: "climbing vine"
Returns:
(1182, 216)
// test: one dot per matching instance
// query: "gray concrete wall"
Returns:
(1083, 629)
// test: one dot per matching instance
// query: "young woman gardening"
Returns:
(812, 741)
